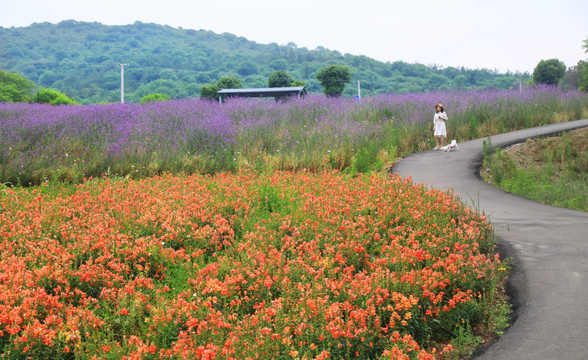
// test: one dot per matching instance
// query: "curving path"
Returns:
(549, 247)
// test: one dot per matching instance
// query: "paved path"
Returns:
(549, 246)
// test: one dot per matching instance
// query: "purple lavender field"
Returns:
(41, 143)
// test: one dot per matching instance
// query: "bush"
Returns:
(280, 78)
(549, 72)
(154, 98)
(209, 92)
(52, 97)
(14, 88)
(333, 79)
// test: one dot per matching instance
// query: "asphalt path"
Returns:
(548, 245)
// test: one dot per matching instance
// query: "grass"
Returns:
(552, 170)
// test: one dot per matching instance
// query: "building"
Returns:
(277, 92)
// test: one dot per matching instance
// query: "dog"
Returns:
(451, 147)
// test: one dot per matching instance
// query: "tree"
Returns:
(583, 76)
(583, 70)
(53, 97)
(209, 92)
(228, 82)
(298, 83)
(280, 78)
(154, 98)
(460, 82)
(247, 68)
(571, 79)
(84, 60)
(14, 87)
(225, 82)
(278, 64)
(255, 81)
(333, 79)
(549, 72)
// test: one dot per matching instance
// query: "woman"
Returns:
(439, 129)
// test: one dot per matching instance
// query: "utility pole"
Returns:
(122, 83)
(358, 91)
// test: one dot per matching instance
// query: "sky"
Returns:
(501, 35)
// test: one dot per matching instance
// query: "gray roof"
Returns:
(259, 92)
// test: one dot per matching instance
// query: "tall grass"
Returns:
(68, 143)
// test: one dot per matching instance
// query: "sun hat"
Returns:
(442, 109)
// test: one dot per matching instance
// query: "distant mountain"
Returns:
(83, 60)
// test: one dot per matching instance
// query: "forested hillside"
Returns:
(83, 60)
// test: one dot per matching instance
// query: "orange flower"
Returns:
(236, 265)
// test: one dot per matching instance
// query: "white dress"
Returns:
(440, 129)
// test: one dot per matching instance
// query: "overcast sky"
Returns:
(503, 35)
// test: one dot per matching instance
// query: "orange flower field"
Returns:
(235, 266)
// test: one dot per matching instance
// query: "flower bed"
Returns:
(246, 265)
(68, 143)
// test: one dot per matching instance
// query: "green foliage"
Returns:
(154, 98)
(583, 76)
(333, 79)
(583, 70)
(499, 165)
(52, 97)
(14, 88)
(278, 64)
(247, 68)
(209, 92)
(280, 78)
(82, 60)
(228, 82)
(298, 83)
(225, 82)
(366, 159)
(465, 342)
(549, 72)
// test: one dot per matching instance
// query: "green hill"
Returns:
(83, 60)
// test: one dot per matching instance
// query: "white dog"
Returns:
(451, 147)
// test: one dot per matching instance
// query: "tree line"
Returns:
(83, 60)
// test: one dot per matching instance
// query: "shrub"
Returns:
(52, 97)
(154, 98)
